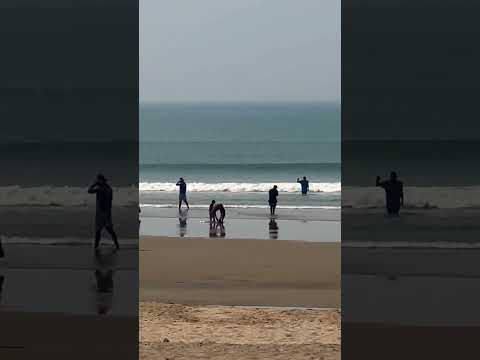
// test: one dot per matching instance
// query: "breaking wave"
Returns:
(61, 196)
(239, 187)
(415, 197)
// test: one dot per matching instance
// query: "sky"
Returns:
(249, 50)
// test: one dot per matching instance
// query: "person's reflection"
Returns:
(105, 264)
(216, 230)
(273, 229)
(212, 230)
(221, 227)
(182, 222)
(104, 291)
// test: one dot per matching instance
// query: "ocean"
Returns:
(235, 152)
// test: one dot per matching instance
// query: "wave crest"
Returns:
(62, 196)
(415, 197)
(239, 187)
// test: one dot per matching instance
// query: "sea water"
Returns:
(235, 152)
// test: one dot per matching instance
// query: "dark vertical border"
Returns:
(69, 110)
(410, 81)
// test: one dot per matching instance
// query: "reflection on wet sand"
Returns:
(104, 291)
(105, 264)
(273, 229)
(217, 230)
(182, 222)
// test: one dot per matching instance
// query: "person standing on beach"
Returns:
(393, 191)
(183, 193)
(103, 216)
(272, 199)
(304, 184)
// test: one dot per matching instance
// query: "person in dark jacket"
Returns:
(393, 193)
(103, 215)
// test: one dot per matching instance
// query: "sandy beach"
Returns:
(169, 331)
(218, 299)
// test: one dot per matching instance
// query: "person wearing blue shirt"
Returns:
(304, 184)
(183, 193)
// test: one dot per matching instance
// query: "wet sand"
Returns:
(408, 342)
(66, 336)
(52, 306)
(63, 278)
(239, 272)
(169, 331)
(216, 278)
(265, 229)
(420, 284)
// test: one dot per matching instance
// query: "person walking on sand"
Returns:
(272, 199)
(393, 192)
(103, 216)
(183, 193)
(304, 184)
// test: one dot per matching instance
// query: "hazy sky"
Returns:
(231, 50)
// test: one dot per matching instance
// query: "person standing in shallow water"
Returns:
(103, 216)
(183, 193)
(272, 199)
(304, 184)
(393, 192)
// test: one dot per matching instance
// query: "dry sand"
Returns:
(170, 331)
(213, 275)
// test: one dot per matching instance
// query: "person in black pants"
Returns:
(103, 216)
(272, 199)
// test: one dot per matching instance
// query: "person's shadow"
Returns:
(105, 262)
(273, 229)
(182, 222)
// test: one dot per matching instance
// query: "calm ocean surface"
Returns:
(234, 153)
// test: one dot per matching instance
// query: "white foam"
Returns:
(61, 196)
(239, 187)
(415, 197)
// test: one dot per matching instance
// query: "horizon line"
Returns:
(236, 101)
